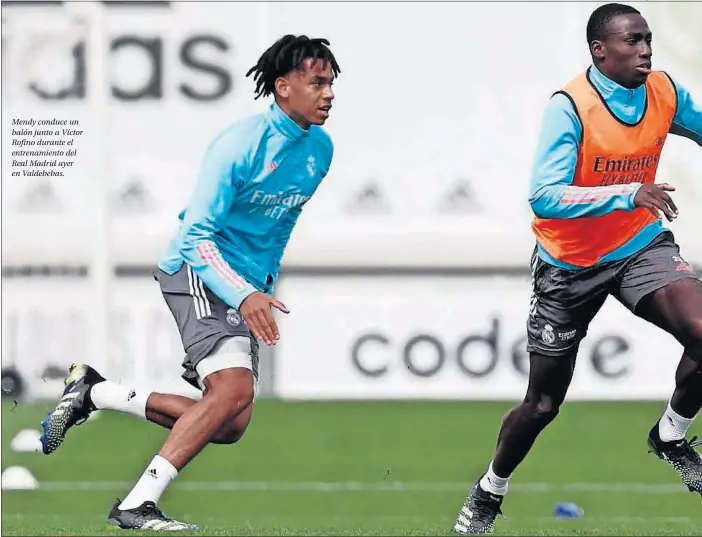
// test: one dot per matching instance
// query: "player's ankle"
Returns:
(493, 483)
(152, 484)
(109, 395)
(672, 426)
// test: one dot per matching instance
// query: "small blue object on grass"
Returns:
(567, 510)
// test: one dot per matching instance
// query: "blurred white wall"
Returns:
(436, 118)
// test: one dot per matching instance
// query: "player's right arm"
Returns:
(221, 174)
(552, 193)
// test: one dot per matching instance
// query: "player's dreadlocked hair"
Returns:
(286, 55)
(600, 18)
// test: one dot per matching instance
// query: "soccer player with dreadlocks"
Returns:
(218, 273)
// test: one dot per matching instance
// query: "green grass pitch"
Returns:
(360, 468)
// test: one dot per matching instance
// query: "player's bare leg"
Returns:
(549, 379)
(677, 309)
(165, 410)
(87, 391)
(221, 417)
(228, 393)
(227, 400)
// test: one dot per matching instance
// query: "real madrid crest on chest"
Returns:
(311, 166)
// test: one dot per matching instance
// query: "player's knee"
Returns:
(694, 339)
(235, 400)
(232, 388)
(229, 436)
(547, 409)
(695, 331)
(542, 408)
(234, 430)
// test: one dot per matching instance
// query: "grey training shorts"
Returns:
(564, 302)
(203, 320)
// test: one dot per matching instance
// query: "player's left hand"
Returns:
(257, 311)
(656, 199)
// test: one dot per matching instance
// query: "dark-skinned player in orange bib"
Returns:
(599, 233)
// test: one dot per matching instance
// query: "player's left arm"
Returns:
(688, 116)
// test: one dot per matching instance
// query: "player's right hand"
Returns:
(655, 198)
(256, 309)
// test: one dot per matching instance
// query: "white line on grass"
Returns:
(401, 518)
(381, 486)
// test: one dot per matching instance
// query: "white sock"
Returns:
(152, 483)
(672, 425)
(494, 484)
(112, 396)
